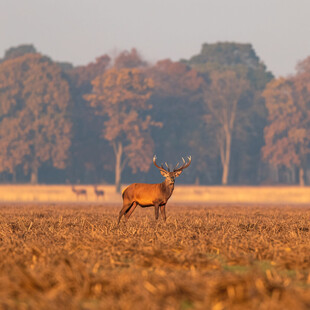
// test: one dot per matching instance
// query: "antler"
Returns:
(185, 165)
(160, 168)
(167, 167)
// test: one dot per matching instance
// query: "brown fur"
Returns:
(150, 195)
(146, 195)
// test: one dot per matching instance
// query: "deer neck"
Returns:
(167, 188)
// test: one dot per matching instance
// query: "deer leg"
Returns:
(130, 211)
(123, 211)
(156, 212)
(163, 212)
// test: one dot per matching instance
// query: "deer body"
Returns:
(149, 195)
(98, 192)
(157, 193)
(79, 192)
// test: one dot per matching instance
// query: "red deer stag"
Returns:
(149, 195)
(79, 192)
(99, 193)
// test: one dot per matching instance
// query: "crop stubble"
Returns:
(57, 256)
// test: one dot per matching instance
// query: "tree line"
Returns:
(103, 122)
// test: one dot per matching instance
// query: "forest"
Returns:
(101, 123)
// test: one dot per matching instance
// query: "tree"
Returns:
(19, 51)
(238, 57)
(89, 153)
(176, 101)
(252, 114)
(34, 128)
(130, 59)
(287, 136)
(221, 98)
(302, 83)
(82, 76)
(121, 95)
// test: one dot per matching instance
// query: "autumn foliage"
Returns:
(34, 125)
(288, 134)
(102, 122)
(121, 95)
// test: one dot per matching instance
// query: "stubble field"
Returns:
(74, 256)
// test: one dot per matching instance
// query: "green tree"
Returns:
(34, 128)
(19, 51)
(248, 137)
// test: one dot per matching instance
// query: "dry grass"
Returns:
(213, 257)
(182, 193)
(54, 193)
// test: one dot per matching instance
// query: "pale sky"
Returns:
(78, 31)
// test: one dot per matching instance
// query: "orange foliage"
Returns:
(122, 95)
(287, 136)
(175, 79)
(130, 59)
(33, 106)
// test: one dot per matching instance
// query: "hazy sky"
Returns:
(80, 30)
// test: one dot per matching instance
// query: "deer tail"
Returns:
(123, 192)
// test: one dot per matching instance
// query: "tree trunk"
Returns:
(34, 176)
(118, 149)
(277, 174)
(35, 165)
(301, 176)
(226, 159)
(14, 176)
(293, 175)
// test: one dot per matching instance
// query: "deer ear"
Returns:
(164, 173)
(176, 174)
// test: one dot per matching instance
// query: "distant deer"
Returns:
(148, 195)
(79, 192)
(98, 193)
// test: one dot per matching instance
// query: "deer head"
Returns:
(171, 175)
